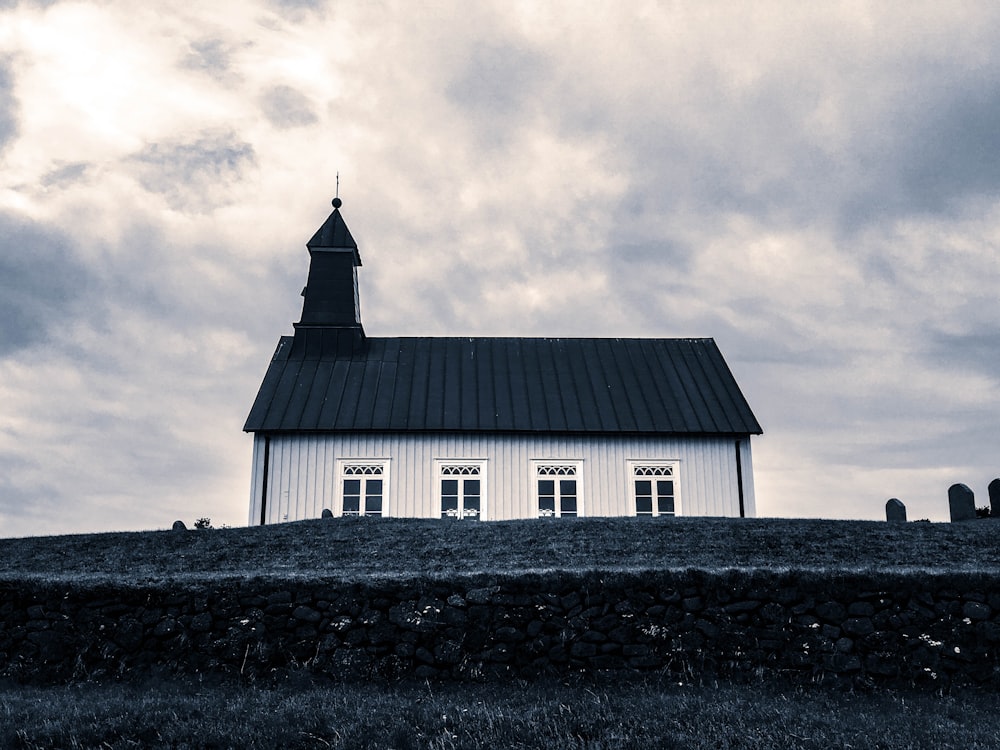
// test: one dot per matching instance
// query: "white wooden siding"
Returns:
(302, 472)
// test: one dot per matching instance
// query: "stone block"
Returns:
(881, 665)
(570, 601)
(844, 645)
(895, 511)
(166, 628)
(861, 609)
(481, 595)
(976, 611)
(840, 662)
(831, 611)
(773, 613)
(36, 612)
(748, 605)
(499, 653)
(961, 503)
(859, 626)
(989, 631)
(708, 629)
(201, 623)
(306, 614)
(508, 634)
(692, 604)
(607, 623)
(593, 636)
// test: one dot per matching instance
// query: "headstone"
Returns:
(327, 513)
(994, 488)
(895, 510)
(962, 503)
(179, 526)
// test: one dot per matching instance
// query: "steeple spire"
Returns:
(331, 310)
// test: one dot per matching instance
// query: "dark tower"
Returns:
(331, 313)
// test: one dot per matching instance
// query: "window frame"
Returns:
(441, 465)
(343, 465)
(636, 465)
(538, 465)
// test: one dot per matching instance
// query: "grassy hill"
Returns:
(361, 548)
(658, 711)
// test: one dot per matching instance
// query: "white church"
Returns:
(484, 429)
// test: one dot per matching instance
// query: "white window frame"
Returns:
(635, 469)
(538, 469)
(444, 469)
(344, 471)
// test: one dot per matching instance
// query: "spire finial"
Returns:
(337, 203)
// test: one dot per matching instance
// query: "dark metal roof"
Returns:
(334, 234)
(663, 386)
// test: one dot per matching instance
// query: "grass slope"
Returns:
(360, 548)
(544, 716)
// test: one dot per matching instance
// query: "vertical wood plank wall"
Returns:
(302, 472)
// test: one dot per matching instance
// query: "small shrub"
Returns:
(203, 523)
(983, 512)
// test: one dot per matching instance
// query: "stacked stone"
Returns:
(893, 629)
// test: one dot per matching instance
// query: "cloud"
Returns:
(41, 282)
(298, 4)
(976, 351)
(211, 55)
(8, 105)
(953, 149)
(816, 188)
(497, 87)
(284, 107)
(194, 175)
(65, 175)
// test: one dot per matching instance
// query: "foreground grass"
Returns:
(551, 716)
(358, 548)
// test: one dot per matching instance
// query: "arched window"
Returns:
(363, 483)
(654, 488)
(462, 489)
(557, 488)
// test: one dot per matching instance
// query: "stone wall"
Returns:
(898, 629)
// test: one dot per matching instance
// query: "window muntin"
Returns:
(460, 486)
(557, 489)
(654, 488)
(362, 487)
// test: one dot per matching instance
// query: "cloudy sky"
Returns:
(817, 189)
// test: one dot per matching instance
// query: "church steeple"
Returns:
(331, 311)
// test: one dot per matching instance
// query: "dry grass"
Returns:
(535, 715)
(360, 548)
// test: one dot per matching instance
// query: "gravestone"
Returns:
(962, 503)
(895, 510)
(179, 526)
(994, 488)
(327, 513)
